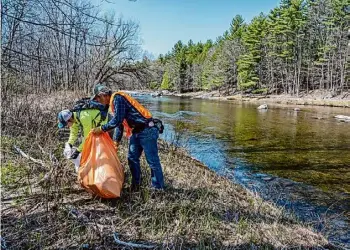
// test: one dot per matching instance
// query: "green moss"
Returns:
(12, 173)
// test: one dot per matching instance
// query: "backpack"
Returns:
(87, 103)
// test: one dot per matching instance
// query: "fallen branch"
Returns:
(134, 245)
(53, 158)
(41, 163)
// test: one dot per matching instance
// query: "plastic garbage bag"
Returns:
(100, 170)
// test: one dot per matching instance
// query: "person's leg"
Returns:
(135, 151)
(148, 141)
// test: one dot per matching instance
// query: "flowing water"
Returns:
(298, 159)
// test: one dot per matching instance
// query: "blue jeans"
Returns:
(145, 141)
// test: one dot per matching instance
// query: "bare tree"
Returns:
(58, 44)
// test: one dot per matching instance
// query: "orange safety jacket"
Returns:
(141, 109)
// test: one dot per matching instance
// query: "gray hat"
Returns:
(100, 89)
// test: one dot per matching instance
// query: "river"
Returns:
(298, 159)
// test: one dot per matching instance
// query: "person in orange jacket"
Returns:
(130, 115)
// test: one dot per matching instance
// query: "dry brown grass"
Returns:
(198, 209)
(288, 100)
(314, 98)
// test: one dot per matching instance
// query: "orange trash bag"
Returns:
(100, 170)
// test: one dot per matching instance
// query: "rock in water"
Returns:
(342, 118)
(165, 92)
(156, 94)
(263, 106)
(296, 109)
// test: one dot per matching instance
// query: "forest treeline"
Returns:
(50, 45)
(299, 46)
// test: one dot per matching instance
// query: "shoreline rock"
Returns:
(342, 118)
(263, 106)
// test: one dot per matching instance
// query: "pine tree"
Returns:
(166, 81)
(237, 28)
(252, 40)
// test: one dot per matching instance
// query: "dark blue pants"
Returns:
(145, 141)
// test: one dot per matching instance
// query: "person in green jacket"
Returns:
(83, 120)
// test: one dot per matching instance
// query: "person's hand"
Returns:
(97, 131)
(75, 154)
(67, 152)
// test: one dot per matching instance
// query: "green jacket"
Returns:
(89, 119)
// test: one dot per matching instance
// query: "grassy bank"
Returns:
(44, 207)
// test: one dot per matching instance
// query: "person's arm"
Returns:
(73, 133)
(118, 133)
(80, 148)
(120, 112)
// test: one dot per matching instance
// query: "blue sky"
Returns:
(164, 22)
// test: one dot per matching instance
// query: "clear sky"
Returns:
(164, 22)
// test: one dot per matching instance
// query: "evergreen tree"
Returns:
(166, 81)
(252, 40)
(237, 27)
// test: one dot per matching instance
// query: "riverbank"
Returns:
(315, 98)
(44, 207)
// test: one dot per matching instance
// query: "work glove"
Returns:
(97, 131)
(67, 152)
(75, 154)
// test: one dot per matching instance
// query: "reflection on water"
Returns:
(299, 159)
(280, 141)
